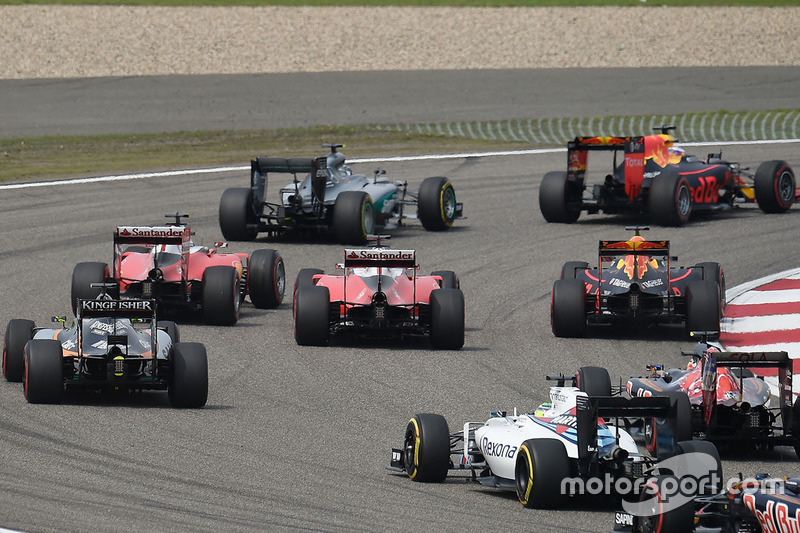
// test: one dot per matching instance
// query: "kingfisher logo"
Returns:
(150, 231)
(116, 305)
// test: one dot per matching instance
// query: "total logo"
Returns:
(380, 255)
(149, 231)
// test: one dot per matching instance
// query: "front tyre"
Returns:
(266, 278)
(541, 466)
(670, 200)
(18, 333)
(43, 372)
(447, 319)
(353, 217)
(426, 448)
(221, 295)
(436, 204)
(188, 384)
(774, 186)
(593, 380)
(554, 197)
(237, 218)
(83, 276)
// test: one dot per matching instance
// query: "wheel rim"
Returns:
(280, 279)
(785, 187)
(409, 451)
(448, 204)
(237, 294)
(369, 218)
(524, 478)
(684, 201)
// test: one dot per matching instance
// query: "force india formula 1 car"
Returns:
(113, 345)
(729, 404)
(635, 282)
(379, 295)
(162, 263)
(658, 179)
(331, 199)
(546, 455)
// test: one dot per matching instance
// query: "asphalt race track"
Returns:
(297, 438)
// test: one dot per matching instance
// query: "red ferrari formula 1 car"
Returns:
(162, 263)
(635, 282)
(658, 179)
(379, 295)
(729, 404)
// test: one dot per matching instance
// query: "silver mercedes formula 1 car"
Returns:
(331, 199)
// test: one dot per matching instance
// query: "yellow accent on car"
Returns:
(413, 474)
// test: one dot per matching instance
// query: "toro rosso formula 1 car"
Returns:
(548, 455)
(729, 404)
(636, 283)
(113, 345)
(162, 263)
(379, 295)
(658, 179)
(331, 199)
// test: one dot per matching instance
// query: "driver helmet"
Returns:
(676, 153)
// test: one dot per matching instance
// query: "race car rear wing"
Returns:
(379, 257)
(152, 235)
(261, 166)
(613, 248)
(116, 308)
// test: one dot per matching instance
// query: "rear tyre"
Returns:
(713, 272)
(172, 330)
(312, 316)
(353, 217)
(43, 371)
(703, 446)
(237, 218)
(449, 279)
(447, 319)
(436, 204)
(796, 426)
(664, 433)
(188, 384)
(305, 278)
(541, 466)
(18, 333)
(83, 275)
(221, 296)
(670, 200)
(553, 197)
(568, 308)
(774, 186)
(426, 448)
(657, 494)
(266, 278)
(594, 381)
(571, 268)
(702, 306)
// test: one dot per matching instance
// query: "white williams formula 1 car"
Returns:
(551, 454)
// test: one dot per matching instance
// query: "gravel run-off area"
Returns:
(88, 41)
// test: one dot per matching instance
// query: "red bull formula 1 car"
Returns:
(113, 345)
(162, 263)
(379, 295)
(658, 179)
(729, 404)
(636, 283)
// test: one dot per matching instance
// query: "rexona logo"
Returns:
(150, 231)
(116, 305)
(380, 255)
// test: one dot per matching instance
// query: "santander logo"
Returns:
(150, 231)
(380, 255)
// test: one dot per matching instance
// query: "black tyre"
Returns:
(436, 204)
(703, 311)
(664, 434)
(266, 278)
(553, 199)
(221, 295)
(305, 278)
(713, 272)
(312, 316)
(795, 433)
(237, 217)
(83, 275)
(426, 448)
(541, 466)
(172, 330)
(571, 268)
(713, 485)
(670, 200)
(188, 383)
(447, 319)
(568, 308)
(18, 333)
(593, 380)
(662, 518)
(353, 217)
(449, 279)
(43, 371)
(774, 186)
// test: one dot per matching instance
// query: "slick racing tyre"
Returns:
(43, 374)
(795, 433)
(426, 448)
(702, 306)
(353, 217)
(553, 197)
(447, 319)
(266, 278)
(774, 186)
(541, 466)
(305, 278)
(449, 279)
(188, 383)
(221, 295)
(593, 380)
(663, 433)
(18, 333)
(670, 200)
(660, 517)
(571, 268)
(713, 272)
(312, 316)
(568, 308)
(436, 204)
(713, 483)
(83, 275)
(237, 218)
(172, 330)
